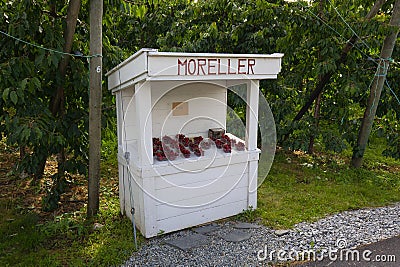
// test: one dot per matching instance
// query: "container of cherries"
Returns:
(223, 143)
(169, 148)
(226, 143)
(164, 149)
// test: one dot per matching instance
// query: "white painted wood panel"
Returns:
(205, 88)
(131, 146)
(119, 111)
(128, 70)
(252, 186)
(200, 217)
(121, 188)
(191, 179)
(195, 164)
(252, 115)
(130, 133)
(206, 109)
(223, 185)
(128, 191)
(149, 203)
(129, 110)
(208, 201)
(128, 91)
(144, 123)
(217, 66)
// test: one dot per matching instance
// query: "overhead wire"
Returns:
(377, 61)
(385, 61)
(49, 49)
(348, 26)
(391, 90)
(339, 34)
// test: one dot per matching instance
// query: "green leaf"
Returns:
(14, 97)
(38, 133)
(21, 96)
(54, 59)
(24, 83)
(25, 134)
(5, 94)
(39, 58)
(34, 85)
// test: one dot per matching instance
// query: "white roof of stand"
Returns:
(149, 64)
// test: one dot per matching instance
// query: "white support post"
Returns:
(150, 216)
(252, 115)
(145, 150)
(251, 138)
(144, 123)
(121, 168)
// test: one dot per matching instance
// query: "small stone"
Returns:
(236, 236)
(207, 229)
(281, 232)
(189, 242)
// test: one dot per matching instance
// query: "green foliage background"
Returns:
(310, 35)
(293, 192)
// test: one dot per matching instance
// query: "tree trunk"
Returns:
(40, 167)
(318, 102)
(376, 87)
(316, 117)
(57, 102)
(96, 12)
(343, 56)
(57, 105)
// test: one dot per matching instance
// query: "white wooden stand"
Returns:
(177, 194)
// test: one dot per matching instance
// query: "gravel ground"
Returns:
(348, 229)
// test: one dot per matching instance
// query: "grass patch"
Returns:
(29, 237)
(69, 240)
(300, 187)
